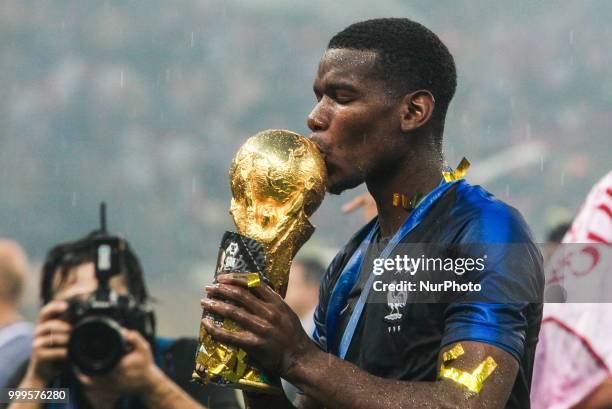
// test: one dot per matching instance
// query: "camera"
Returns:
(96, 344)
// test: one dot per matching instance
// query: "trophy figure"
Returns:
(278, 180)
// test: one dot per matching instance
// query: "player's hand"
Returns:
(136, 373)
(271, 333)
(50, 344)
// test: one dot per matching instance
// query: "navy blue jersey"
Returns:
(401, 339)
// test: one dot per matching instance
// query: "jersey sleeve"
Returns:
(501, 325)
(511, 280)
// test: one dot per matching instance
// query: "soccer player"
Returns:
(383, 87)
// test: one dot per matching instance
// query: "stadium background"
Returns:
(143, 104)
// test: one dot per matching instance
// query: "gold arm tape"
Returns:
(474, 380)
(453, 353)
(458, 173)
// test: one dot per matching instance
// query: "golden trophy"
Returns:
(278, 180)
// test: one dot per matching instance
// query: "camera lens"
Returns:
(96, 345)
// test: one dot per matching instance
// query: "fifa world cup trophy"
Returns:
(278, 180)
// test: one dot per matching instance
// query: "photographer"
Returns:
(143, 378)
(15, 332)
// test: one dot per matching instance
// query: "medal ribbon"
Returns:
(350, 273)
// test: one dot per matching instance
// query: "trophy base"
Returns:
(225, 365)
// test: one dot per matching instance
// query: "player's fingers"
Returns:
(266, 293)
(240, 339)
(237, 314)
(262, 291)
(246, 280)
(225, 309)
(240, 295)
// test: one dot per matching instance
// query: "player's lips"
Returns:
(313, 137)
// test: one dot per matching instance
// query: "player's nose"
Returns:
(317, 121)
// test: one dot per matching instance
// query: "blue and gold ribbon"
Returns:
(458, 173)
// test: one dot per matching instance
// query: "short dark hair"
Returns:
(556, 234)
(409, 57)
(68, 255)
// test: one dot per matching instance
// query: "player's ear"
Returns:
(416, 109)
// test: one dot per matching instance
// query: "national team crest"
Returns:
(396, 301)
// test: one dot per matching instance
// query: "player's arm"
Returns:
(600, 398)
(272, 336)
(340, 384)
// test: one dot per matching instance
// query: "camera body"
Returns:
(96, 344)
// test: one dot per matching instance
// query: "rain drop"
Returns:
(542, 164)
(121, 80)
(528, 130)
(74, 199)
(192, 39)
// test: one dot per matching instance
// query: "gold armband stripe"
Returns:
(474, 380)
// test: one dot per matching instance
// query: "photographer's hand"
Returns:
(49, 351)
(49, 346)
(137, 374)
